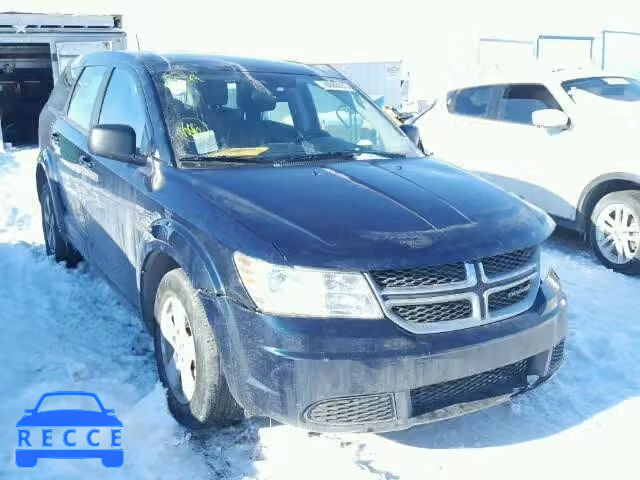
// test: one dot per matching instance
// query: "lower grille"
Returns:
(500, 381)
(353, 410)
(557, 354)
(434, 312)
(509, 297)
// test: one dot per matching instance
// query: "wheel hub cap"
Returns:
(178, 349)
(618, 233)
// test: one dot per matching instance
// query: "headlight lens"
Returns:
(306, 292)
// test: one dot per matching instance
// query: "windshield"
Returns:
(236, 115)
(613, 88)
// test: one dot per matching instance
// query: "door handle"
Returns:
(86, 160)
(55, 137)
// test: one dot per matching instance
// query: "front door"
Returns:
(111, 212)
(533, 162)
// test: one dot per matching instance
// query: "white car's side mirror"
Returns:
(550, 118)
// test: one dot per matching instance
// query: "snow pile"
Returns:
(66, 330)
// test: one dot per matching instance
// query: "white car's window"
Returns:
(473, 102)
(613, 88)
(518, 102)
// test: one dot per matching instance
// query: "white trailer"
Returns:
(504, 52)
(34, 49)
(382, 81)
(621, 52)
(565, 51)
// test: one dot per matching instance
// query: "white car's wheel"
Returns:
(188, 357)
(615, 231)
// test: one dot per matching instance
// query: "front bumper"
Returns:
(371, 375)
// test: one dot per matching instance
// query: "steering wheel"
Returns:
(344, 109)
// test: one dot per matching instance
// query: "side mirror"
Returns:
(412, 132)
(115, 141)
(29, 410)
(550, 119)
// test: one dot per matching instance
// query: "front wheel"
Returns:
(188, 357)
(615, 231)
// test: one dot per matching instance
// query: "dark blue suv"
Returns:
(290, 249)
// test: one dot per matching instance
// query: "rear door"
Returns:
(69, 137)
(111, 210)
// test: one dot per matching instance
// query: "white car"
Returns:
(566, 142)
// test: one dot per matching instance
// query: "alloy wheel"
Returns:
(178, 348)
(618, 233)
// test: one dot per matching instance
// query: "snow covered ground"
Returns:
(66, 330)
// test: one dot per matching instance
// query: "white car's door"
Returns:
(535, 163)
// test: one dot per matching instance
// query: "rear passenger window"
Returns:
(123, 104)
(518, 102)
(84, 96)
(473, 102)
(66, 81)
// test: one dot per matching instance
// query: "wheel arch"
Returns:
(172, 246)
(598, 188)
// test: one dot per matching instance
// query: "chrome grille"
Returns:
(434, 312)
(352, 410)
(459, 295)
(500, 381)
(510, 296)
(420, 277)
(507, 263)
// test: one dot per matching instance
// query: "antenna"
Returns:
(138, 41)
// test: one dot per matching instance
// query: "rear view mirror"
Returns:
(412, 132)
(115, 141)
(550, 118)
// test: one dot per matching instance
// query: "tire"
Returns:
(197, 392)
(614, 231)
(55, 243)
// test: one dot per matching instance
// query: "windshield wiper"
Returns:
(302, 157)
(338, 155)
(227, 159)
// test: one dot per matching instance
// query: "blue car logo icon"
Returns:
(53, 429)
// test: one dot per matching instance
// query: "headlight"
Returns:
(306, 292)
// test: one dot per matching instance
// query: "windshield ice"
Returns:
(612, 88)
(238, 114)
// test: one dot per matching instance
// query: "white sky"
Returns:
(431, 37)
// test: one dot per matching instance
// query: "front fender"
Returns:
(173, 239)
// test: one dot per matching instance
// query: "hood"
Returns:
(375, 214)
